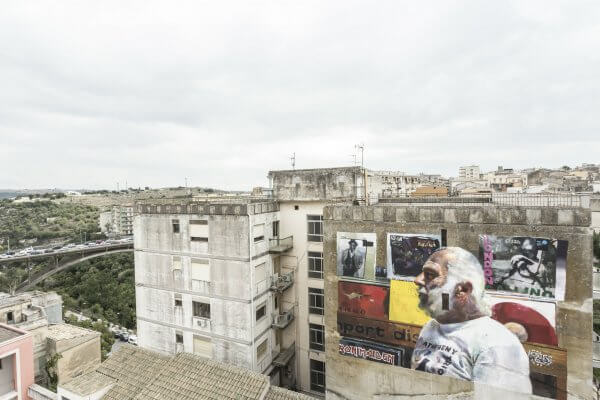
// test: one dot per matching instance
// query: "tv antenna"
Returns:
(293, 159)
(353, 158)
(360, 147)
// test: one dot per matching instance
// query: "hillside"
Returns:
(41, 222)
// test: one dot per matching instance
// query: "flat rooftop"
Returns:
(7, 334)
(59, 332)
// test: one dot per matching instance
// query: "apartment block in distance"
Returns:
(209, 281)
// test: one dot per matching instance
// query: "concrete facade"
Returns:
(218, 255)
(351, 378)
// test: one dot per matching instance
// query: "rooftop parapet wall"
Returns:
(353, 378)
(318, 184)
(249, 208)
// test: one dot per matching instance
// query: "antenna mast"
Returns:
(361, 147)
(293, 159)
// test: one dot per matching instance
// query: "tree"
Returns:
(10, 279)
(51, 371)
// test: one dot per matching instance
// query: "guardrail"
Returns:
(279, 245)
(90, 249)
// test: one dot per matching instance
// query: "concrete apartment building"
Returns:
(209, 281)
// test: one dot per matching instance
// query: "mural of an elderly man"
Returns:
(461, 340)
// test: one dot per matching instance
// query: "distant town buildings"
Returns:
(469, 173)
(117, 220)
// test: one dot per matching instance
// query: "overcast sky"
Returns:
(98, 92)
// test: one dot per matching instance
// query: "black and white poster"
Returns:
(406, 253)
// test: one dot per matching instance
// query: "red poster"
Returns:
(363, 300)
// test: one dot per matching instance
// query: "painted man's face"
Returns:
(432, 283)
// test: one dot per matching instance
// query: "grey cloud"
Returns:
(222, 92)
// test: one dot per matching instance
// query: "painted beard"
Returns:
(430, 300)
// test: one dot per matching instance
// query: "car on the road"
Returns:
(124, 336)
(133, 340)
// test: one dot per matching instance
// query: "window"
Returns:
(296, 207)
(198, 222)
(200, 309)
(275, 228)
(315, 228)
(261, 311)
(179, 337)
(10, 317)
(315, 301)
(315, 264)
(316, 337)
(178, 301)
(258, 232)
(275, 302)
(199, 239)
(261, 350)
(175, 223)
(200, 269)
(317, 376)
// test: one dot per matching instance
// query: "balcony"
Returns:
(278, 246)
(283, 319)
(279, 283)
(285, 356)
(201, 324)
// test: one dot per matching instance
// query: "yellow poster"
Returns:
(404, 304)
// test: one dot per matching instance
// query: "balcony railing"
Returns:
(279, 283)
(281, 245)
(202, 324)
(283, 319)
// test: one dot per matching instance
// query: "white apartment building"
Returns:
(469, 173)
(117, 221)
(209, 281)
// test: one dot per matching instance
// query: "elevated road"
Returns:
(62, 260)
(77, 251)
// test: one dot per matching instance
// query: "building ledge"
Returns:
(278, 246)
(285, 356)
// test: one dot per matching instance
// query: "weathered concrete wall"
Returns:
(350, 378)
(318, 184)
(76, 357)
(165, 265)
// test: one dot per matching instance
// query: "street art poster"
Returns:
(364, 300)
(530, 266)
(406, 253)
(532, 321)
(443, 325)
(373, 351)
(404, 304)
(356, 253)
